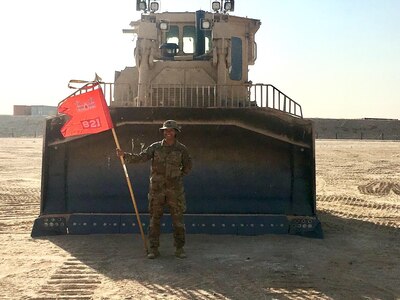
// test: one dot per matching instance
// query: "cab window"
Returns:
(172, 35)
(207, 37)
(189, 35)
(235, 72)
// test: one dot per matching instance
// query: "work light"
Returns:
(141, 6)
(163, 25)
(229, 5)
(205, 24)
(154, 6)
(216, 6)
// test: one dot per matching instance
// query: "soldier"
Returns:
(170, 161)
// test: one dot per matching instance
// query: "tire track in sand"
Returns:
(73, 280)
(18, 209)
(385, 215)
(379, 188)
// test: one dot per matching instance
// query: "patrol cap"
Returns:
(171, 124)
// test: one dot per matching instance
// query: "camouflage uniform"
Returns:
(169, 165)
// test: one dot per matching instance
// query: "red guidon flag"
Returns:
(88, 113)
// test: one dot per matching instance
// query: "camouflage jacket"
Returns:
(168, 164)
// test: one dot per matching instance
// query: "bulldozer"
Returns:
(253, 152)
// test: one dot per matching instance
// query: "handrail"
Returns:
(280, 101)
(202, 96)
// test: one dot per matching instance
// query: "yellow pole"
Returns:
(130, 191)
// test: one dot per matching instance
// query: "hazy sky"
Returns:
(337, 58)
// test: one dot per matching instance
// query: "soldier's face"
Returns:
(169, 134)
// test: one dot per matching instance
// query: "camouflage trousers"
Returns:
(175, 202)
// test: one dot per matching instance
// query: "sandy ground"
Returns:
(358, 187)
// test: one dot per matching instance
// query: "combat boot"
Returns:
(153, 253)
(180, 253)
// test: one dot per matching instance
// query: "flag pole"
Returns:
(130, 190)
(108, 121)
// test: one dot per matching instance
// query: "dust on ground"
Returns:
(358, 201)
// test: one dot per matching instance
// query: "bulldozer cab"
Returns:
(189, 51)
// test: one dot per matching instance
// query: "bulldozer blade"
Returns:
(253, 173)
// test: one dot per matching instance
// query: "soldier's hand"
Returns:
(119, 152)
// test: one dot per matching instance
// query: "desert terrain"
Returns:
(358, 201)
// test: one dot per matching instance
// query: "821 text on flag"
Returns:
(88, 113)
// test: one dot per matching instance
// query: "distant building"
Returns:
(43, 110)
(22, 110)
(35, 110)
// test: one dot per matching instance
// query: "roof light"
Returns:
(154, 6)
(141, 5)
(229, 5)
(216, 6)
